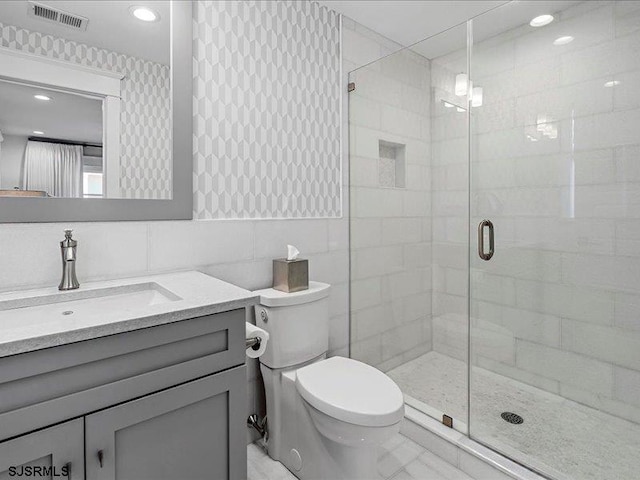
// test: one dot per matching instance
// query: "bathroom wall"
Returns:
(269, 130)
(145, 134)
(390, 206)
(555, 157)
(11, 160)
(238, 251)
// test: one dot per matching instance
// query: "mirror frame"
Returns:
(180, 207)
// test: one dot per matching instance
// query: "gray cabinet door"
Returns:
(55, 452)
(195, 431)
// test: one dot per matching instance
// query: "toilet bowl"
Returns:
(326, 417)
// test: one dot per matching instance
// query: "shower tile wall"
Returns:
(558, 307)
(450, 196)
(556, 163)
(390, 225)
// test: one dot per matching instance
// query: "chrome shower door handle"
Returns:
(481, 252)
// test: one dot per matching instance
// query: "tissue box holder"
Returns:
(290, 275)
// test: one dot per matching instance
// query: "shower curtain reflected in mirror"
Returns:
(53, 168)
(1, 140)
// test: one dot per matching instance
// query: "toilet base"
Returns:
(296, 442)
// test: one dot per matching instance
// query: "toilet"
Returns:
(326, 417)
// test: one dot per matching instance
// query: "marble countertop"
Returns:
(36, 319)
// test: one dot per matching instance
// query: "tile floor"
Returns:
(403, 459)
(564, 438)
(261, 467)
(400, 459)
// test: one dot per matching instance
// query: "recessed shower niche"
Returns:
(391, 164)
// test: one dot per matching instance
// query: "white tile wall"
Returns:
(390, 226)
(449, 184)
(566, 367)
(558, 306)
(564, 281)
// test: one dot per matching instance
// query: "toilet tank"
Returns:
(298, 324)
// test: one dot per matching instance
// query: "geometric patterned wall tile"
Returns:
(145, 133)
(266, 110)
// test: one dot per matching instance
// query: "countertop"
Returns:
(43, 325)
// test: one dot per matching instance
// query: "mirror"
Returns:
(85, 99)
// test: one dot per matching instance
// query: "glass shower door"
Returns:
(408, 216)
(555, 186)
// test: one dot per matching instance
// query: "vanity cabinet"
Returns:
(180, 433)
(165, 402)
(49, 453)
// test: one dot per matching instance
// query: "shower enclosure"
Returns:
(495, 231)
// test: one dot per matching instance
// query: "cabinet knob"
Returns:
(100, 457)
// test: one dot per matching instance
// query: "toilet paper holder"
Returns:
(253, 342)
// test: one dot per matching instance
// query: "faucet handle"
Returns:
(68, 240)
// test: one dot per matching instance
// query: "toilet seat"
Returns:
(351, 391)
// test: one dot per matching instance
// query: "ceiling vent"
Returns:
(57, 16)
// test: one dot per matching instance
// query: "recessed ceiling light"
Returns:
(563, 40)
(145, 14)
(42, 97)
(541, 21)
(612, 83)
(38, 132)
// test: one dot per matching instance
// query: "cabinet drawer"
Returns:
(48, 386)
(194, 431)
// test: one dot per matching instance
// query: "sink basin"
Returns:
(35, 319)
(83, 303)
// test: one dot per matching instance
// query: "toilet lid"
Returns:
(351, 391)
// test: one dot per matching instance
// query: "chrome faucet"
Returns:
(68, 249)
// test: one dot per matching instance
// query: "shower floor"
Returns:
(559, 437)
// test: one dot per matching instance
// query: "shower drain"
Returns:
(512, 418)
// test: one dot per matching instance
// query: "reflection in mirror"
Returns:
(52, 142)
(85, 107)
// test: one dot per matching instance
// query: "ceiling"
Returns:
(66, 116)
(111, 26)
(408, 22)
(426, 25)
